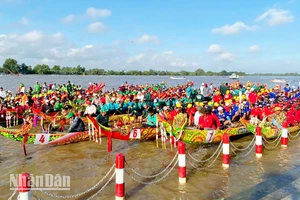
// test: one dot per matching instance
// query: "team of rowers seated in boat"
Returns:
(221, 112)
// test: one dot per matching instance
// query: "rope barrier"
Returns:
(152, 182)
(203, 161)
(155, 175)
(253, 140)
(13, 194)
(80, 194)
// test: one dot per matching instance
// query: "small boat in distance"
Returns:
(234, 76)
(177, 77)
(278, 80)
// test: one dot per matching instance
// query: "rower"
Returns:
(209, 120)
(90, 109)
(76, 124)
(278, 117)
(151, 118)
(102, 118)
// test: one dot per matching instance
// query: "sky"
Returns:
(249, 36)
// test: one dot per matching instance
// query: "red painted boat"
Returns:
(126, 132)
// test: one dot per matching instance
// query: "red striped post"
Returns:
(226, 155)
(120, 177)
(284, 134)
(181, 163)
(24, 187)
(258, 142)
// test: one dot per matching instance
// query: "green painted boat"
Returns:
(268, 132)
(35, 136)
(196, 136)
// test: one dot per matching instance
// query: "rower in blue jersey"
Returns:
(151, 118)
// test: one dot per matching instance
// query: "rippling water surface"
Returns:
(87, 162)
(12, 82)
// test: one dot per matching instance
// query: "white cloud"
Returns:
(36, 47)
(58, 37)
(69, 19)
(147, 39)
(24, 21)
(97, 27)
(168, 52)
(254, 48)
(214, 48)
(178, 63)
(235, 28)
(47, 61)
(220, 52)
(225, 56)
(275, 17)
(136, 58)
(94, 12)
(33, 36)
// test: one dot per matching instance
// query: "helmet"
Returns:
(70, 115)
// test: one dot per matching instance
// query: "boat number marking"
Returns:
(135, 134)
(42, 139)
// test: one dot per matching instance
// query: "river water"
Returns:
(12, 82)
(86, 162)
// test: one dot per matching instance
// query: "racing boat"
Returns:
(269, 132)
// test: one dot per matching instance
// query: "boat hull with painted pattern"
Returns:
(268, 132)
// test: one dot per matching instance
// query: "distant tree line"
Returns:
(11, 66)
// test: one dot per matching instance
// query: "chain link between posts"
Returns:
(292, 137)
(243, 149)
(155, 175)
(82, 193)
(152, 182)
(12, 195)
(203, 161)
(271, 148)
(100, 190)
(198, 167)
(246, 154)
(273, 142)
(34, 196)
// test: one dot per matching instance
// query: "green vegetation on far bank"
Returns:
(11, 66)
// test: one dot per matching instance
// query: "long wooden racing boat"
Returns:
(268, 132)
(36, 137)
(192, 135)
(128, 133)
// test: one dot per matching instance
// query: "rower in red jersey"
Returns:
(208, 120)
